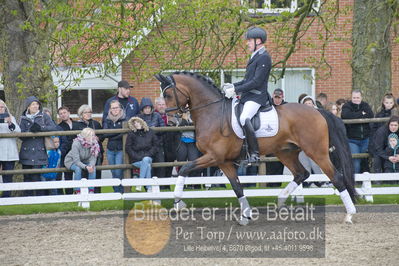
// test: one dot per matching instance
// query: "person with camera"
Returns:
(9, 154)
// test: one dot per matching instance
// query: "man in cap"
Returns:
(278, 97)
(253, 88)
(129, 103)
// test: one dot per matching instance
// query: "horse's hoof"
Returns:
(244, 220)
(348, 219)
(178, 205)
(281, 202)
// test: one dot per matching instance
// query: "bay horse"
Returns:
(318, 133)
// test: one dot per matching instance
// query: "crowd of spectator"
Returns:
(83, 152)
(372, 138)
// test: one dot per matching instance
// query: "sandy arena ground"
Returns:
(97, 239)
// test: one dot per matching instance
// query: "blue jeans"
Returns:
(78, 175)
(145, 167)
(116, 157)
(358, 146)
(33, 178)
(54, 191)
(7, 165)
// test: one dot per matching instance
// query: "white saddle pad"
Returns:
(268, 123)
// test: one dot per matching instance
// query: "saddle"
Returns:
(255, 121)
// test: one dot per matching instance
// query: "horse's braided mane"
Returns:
(206, 81)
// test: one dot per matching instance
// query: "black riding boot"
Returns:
(252, 142)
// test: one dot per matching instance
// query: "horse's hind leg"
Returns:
(290, 159)
(230, 171)
(338, 181)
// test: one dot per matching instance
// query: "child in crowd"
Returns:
(391, 165)
(54, 160)
(83, 155)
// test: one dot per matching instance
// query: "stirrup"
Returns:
(253, 158)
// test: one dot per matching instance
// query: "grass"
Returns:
(197, 203)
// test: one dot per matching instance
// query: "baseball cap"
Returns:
(278, 93)
(124, 84)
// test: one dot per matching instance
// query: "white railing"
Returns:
(84, 198)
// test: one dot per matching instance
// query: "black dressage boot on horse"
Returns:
(253, 147)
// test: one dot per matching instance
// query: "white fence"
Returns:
(84, 198)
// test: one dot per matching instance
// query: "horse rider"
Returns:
(253, 88)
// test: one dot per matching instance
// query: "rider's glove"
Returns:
(229, 90)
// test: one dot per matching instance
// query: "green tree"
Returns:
(40, 37)
(373, 29)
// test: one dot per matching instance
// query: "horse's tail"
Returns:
(340, 154)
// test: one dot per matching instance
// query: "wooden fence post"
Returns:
(262, 170)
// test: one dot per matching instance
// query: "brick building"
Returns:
(301, 76)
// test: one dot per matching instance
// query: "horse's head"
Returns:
(175, 98)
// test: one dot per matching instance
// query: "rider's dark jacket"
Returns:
(254, 85)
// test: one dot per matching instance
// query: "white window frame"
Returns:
(283, 83)
(89, 99)
(89, 82)
(268, 10)
(242, 71)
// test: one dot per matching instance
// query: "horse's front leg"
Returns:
(230, 171)
(178, 192)
(201, 162)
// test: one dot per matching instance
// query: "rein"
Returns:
(185, 109)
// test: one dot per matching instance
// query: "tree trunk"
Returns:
(25, 55)
(371, 59)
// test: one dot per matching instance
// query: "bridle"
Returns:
(178, 107)
(181, 108)
(169, 83)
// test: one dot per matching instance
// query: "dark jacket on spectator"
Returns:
(381, 114)
(141, 143)
(375, 126)
(114, 140)
(355, 111)
(66, 145)
(33, 152)
(154, 119)
(381, 141)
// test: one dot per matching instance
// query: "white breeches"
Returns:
(249, 110)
